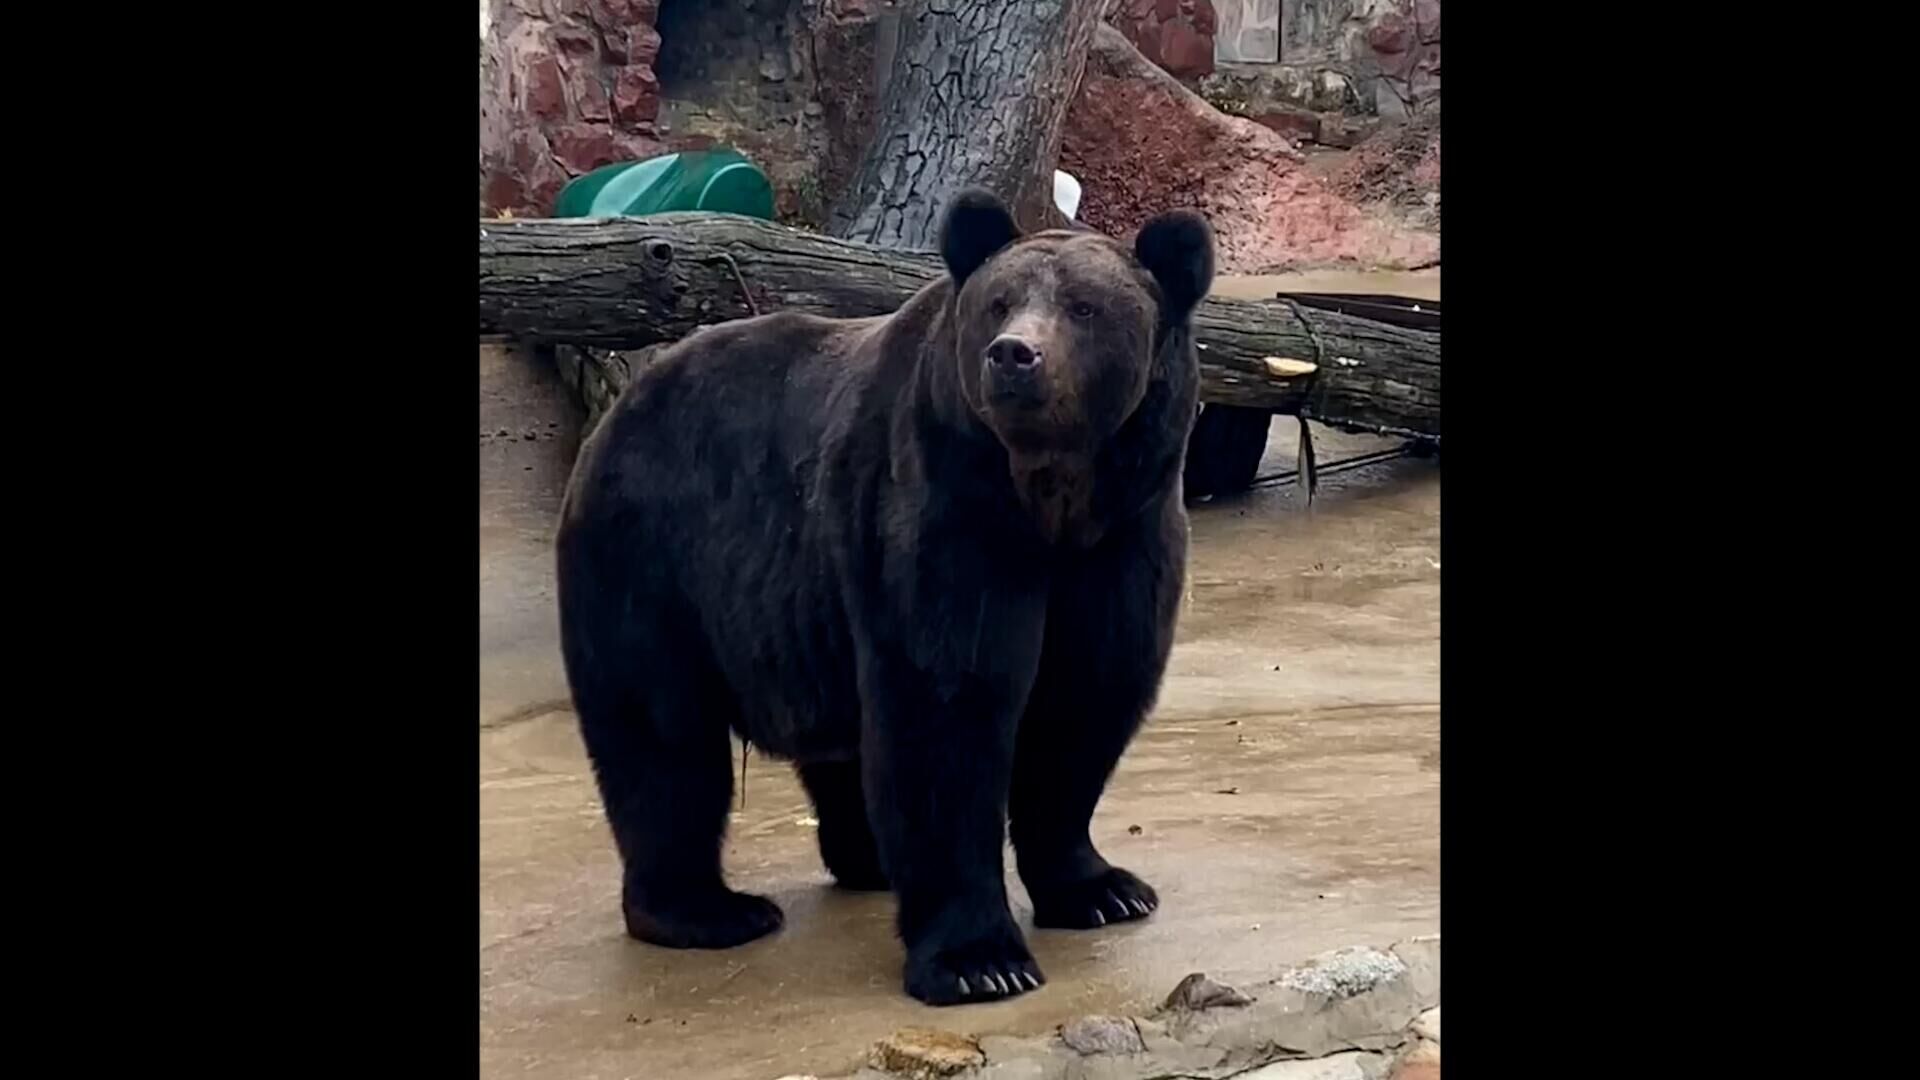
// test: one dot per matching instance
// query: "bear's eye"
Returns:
(1083, 311)
(998, 307)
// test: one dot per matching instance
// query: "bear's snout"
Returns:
(1008, 351)
(1014, 371)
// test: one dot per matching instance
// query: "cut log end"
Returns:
(1286, 367)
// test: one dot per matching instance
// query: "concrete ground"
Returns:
(1283, 798)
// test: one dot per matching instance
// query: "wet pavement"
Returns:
(1283, 798)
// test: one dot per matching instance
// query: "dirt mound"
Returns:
(1141, 142)
(1399, 167)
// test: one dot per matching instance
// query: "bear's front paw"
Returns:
(719, 919)
(987, 969)
(1113, 895)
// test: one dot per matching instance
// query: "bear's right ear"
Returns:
(1177, 249)
(977, 225)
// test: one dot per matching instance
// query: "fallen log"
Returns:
(626, 283)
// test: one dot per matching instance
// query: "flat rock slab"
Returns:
(1102, 1035)
(926, 1052)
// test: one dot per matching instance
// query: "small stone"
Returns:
(926, 1052)
(814, 108)
(1422, 1062)
(1344, 973)
(1134, 830)
(1102, 1035)
(773, 67)
(1196, 992)
(636, 96)
(1427, 1024)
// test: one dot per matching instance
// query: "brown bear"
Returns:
(932, 557)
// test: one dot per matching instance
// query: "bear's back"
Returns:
(700, 484)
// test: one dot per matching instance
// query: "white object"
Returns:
(1066, 193)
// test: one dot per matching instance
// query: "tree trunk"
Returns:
(625, 283)
(978, 95)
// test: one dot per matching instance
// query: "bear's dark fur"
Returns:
(933, 557)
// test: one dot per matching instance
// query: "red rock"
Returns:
(584, 147)
(1137, 10)
(636, 96)
(575, 40)
(1203, 19)
(589, 93)
(546, 88)
(1391, 36)
(526, 148)
(621, 14)
(1184, 52)
(502, 191)
(643, 46)
(1167, 10)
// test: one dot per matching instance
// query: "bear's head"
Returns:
(1058, 330)
(1058, 335)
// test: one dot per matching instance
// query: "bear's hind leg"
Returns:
(847, 846)
(656, 728)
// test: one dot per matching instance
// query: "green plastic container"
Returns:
(717, 179)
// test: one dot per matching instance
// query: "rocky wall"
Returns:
(1140, 142)
(565, 87)
(569, 85)
(1340, 64)
(1178, 35)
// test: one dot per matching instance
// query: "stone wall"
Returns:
(1178, 35)
(1346, 57)
(569, 85)
(565, 87)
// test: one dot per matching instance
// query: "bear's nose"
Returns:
(1011, 352)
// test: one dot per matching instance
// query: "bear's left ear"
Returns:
(1177, 249)
(976, 226)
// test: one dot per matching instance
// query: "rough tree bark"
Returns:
(628, 283)
(978, 95)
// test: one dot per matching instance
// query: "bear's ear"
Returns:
(977, 225)
(1177, 249)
